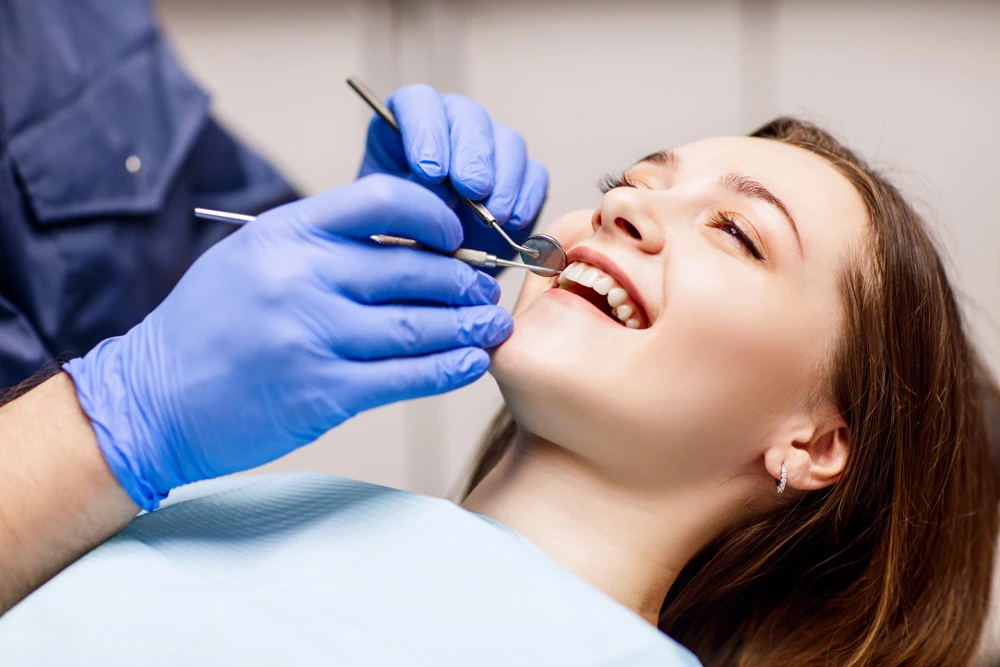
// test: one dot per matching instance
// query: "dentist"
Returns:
(274, 335)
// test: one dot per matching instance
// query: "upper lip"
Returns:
(604, 263)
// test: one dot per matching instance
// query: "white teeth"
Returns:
(589, 277)
(574, 270)
(603, 285)
(617, 296)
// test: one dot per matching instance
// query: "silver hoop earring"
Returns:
(784, 478)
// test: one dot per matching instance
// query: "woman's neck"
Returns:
(629, 544)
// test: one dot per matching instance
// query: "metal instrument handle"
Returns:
(386, 114)
(467, 255)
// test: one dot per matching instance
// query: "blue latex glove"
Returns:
(451, 136)
(285, 329)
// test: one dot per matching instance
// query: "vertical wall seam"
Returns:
(758, 62)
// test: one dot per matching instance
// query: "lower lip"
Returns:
(578, 302)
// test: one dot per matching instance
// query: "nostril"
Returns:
(595, 220)
(628, 227)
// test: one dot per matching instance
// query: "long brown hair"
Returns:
(891, 565)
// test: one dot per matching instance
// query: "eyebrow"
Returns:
(736, 182)
(744, 185)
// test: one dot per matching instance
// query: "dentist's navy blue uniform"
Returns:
(106, 146)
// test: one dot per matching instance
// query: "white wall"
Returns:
(593, 85)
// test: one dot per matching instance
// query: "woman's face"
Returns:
(730, 252)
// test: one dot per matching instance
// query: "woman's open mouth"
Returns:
(604, 293)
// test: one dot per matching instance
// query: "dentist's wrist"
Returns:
(121, 421)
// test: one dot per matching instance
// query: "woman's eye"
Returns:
(615, 180)
(728, 225)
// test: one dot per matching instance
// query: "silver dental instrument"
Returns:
(477, 258)
(540, 251)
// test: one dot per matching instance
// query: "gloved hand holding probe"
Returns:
(285, 329)
(298, 322)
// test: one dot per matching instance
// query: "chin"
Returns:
(534, 370)
(549, 366)
(545, 350)
(528, 361)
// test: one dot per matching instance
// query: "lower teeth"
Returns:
(621, 313)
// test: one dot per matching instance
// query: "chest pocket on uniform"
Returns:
(116, 147)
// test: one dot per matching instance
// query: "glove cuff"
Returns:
(102, 391)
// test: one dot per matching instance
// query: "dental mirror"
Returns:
(551, 255)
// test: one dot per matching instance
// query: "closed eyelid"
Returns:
(615, 180)
(666, 158)
(621, 179)
(750, 230)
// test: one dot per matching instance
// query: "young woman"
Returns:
(747, 414)
(780, 459)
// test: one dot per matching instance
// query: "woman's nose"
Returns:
(626, 214)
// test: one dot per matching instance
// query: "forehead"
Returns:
(827, 209)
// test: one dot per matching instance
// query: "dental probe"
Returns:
(477, 258)
(539, 250)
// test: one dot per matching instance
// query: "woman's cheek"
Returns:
(729, 318)
(757, 328)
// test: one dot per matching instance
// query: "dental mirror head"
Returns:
(550, 255)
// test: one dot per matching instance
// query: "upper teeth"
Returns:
(592, 277)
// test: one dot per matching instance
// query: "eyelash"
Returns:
(723, 221)
(720, 220)
(616, 179)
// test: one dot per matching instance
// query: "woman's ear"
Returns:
(814, 452)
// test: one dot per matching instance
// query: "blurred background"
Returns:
(914, 86)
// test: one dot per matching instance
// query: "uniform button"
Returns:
(133, 164)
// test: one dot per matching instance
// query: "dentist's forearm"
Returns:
(58, 499)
